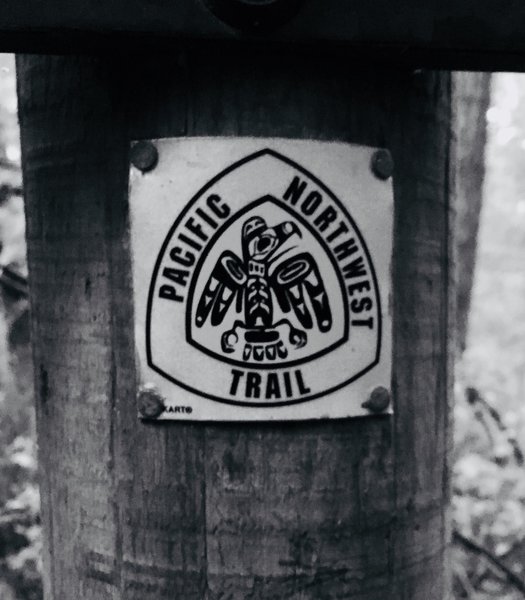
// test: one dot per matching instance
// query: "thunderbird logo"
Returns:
(253, 284)
(264, 292)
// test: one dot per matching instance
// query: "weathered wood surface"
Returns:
(316, 510)
(452, 34)
(471, 92)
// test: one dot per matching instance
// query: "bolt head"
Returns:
(382, 164)
(253, 14)
(144, 156)
(151, 403)
(378, 401)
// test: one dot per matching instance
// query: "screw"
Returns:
(151, 403)
(382, 164)
(378, 400)
(144, 156)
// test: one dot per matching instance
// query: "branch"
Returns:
(461, 575)
(14, 282)
(471, 546)
(474, 397)
(9, 165)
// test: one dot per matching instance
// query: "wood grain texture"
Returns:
(471, 94)
(317, 510)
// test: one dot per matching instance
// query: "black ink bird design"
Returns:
(250, 282)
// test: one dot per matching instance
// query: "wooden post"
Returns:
(352, 508)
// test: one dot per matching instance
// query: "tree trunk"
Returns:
(471, 96)
(353, 508)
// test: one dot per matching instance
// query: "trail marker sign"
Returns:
(261, 278)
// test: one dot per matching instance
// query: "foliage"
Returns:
(488, 504)
(20, 569)
(489, 477)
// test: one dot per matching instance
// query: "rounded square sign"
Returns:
(261, 279)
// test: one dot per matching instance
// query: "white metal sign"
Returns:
(261, 279)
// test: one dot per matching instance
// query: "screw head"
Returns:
(378, 401)
(144, 156)
(382, 164)
(151, 403)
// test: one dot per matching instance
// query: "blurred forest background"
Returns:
(19, 502)
(488, 558)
